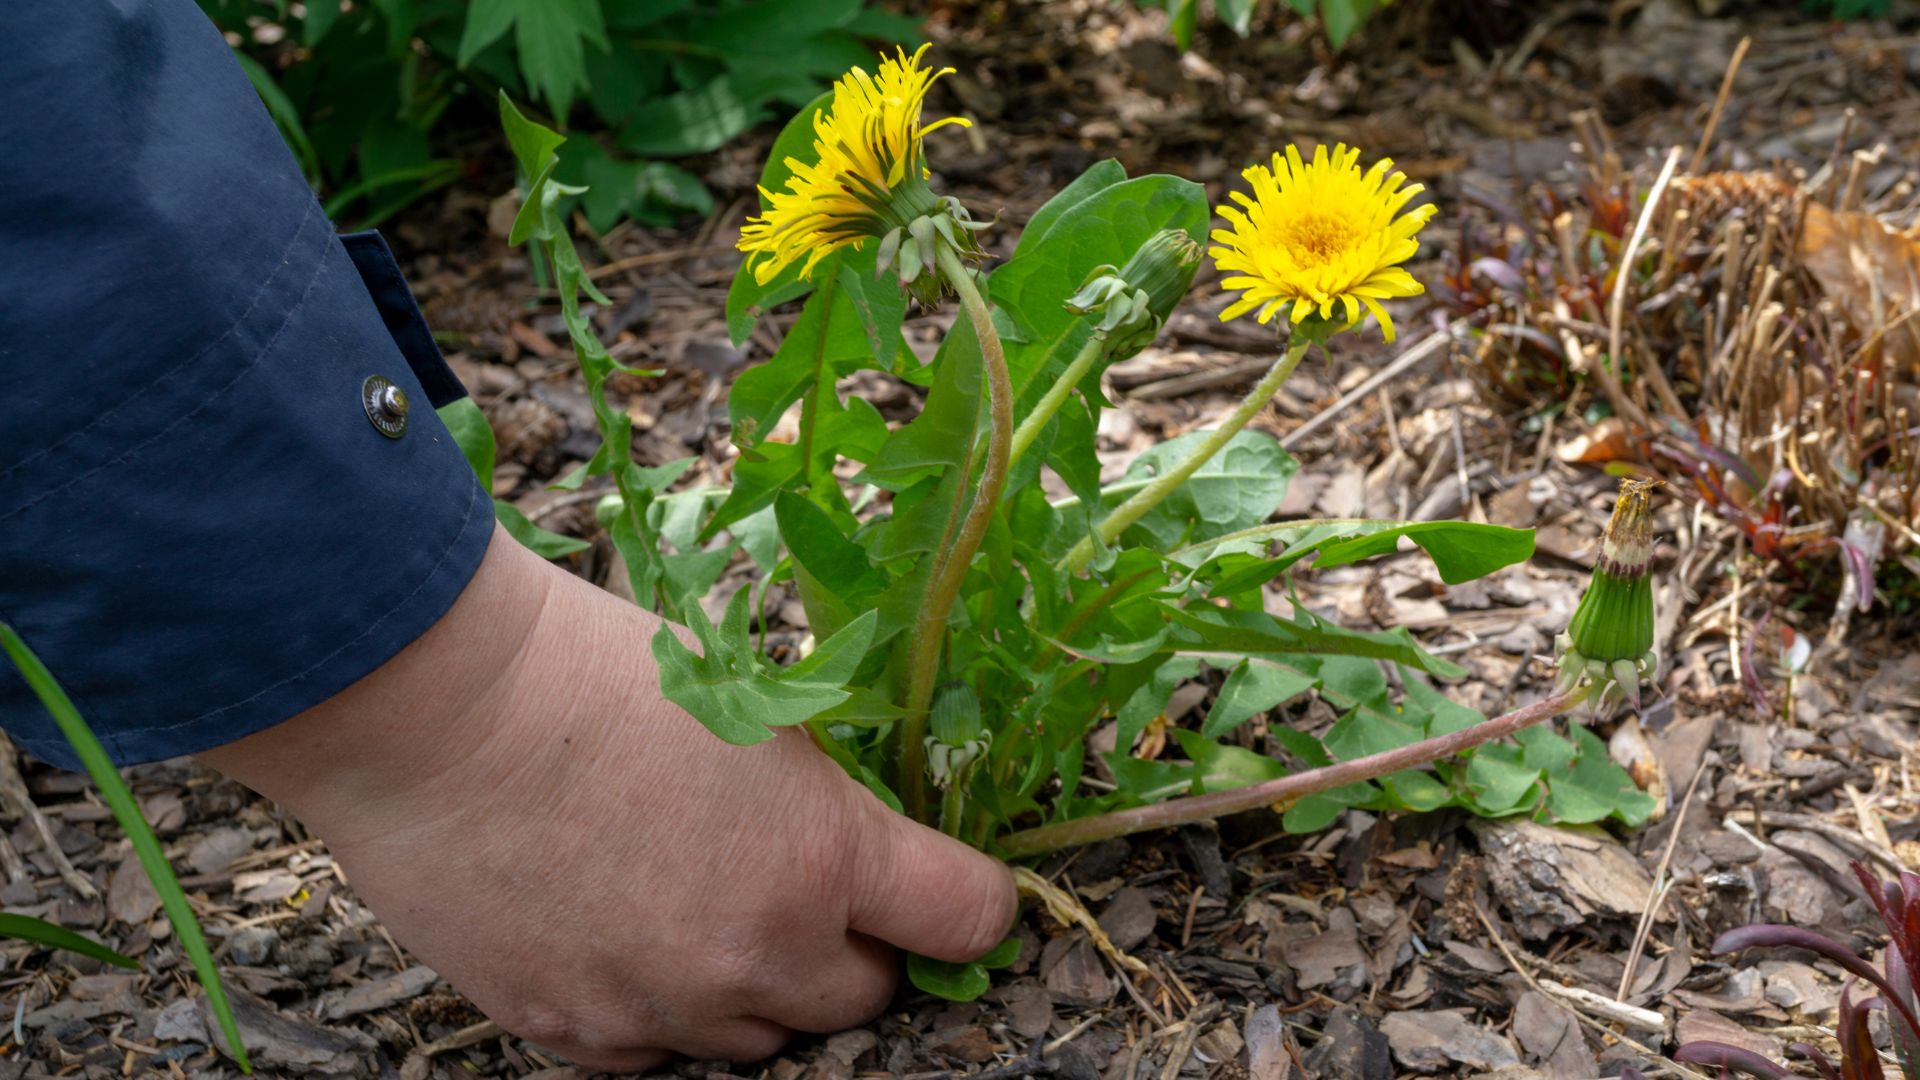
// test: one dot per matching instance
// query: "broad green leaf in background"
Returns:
(1105, 224)
(113, 790)
(1222, 768)
(1498, 778)
(1253, 687)
(1593, 787)
(551, 36)
(1099, 176)
(1240, 487)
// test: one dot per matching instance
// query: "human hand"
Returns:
(583, 860)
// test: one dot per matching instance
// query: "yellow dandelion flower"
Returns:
(1321, 237)
(868, 176)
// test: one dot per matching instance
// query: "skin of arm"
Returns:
(598, 873)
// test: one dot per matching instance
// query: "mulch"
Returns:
(1385, 946)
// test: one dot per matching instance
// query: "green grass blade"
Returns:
(42, 932)
(172, 898)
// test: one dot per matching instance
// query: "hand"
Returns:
(588, 864)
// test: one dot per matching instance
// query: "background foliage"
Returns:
(364, 92)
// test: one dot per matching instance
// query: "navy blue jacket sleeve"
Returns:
(202, 531)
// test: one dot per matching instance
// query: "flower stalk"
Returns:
(1287, 789)
(950, 571)
(1168, 482)
(1056, 396)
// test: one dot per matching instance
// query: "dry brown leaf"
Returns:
(1870, 271)
(1609, 440)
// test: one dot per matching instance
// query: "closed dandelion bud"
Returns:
(1133, 300)
(1609, 641)
(1163, 268)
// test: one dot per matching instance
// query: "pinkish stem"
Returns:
(1286, 789)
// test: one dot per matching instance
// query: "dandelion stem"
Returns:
(1166, 483)
(1056, 396)
(1286, 789)
(929, 628)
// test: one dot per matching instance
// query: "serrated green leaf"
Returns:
(487, 21)
(730, 691)
(942, 436)
(1254, 633)
(1593, 787)
(1460, 550)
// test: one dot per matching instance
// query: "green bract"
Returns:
(996, 633)
(1609, 640)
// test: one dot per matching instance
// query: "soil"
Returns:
(1384, 946)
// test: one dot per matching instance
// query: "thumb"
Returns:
(928, 893)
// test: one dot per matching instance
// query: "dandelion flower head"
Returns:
(1319, 238)
(868, 175)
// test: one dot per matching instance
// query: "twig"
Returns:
(1029, 1064)
(1785, 820)
(1719, 105)
(13, 789)
(1579, 1013)
(1658, 893)
(1286, 789)
(1633, 1016)
(1622, 277)
(656, 258)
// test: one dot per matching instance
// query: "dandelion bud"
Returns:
(1609, 641)
(1133, 300)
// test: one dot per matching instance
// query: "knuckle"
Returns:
(542, 1024)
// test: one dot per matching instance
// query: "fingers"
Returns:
(740, 1039)
(634, 1061)
(929, 893)
(848, 986)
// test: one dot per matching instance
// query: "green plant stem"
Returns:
(929, 628)
(1166, 483)
(1056, 396)
(1286, 789)
(146, 846)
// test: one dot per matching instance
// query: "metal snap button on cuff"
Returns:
(386, 405)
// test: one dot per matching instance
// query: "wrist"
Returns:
(415, 718)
